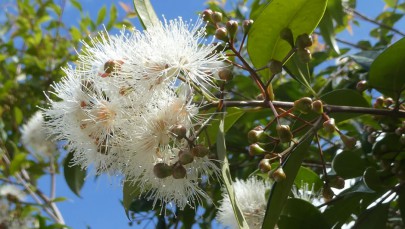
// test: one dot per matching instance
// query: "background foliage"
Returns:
(35, 43)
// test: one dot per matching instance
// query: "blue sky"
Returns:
(100, 205)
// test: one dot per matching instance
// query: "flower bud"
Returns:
(379, 101)
(337, 182)
(225, 74)
(329, 125)
(185, 157)
(304, 105)
(402, 139)
(221, 34)
(317, 106)
(361, 86)
(284, 133)
(200, 151)
(255, 135)
(179, 172)
(265, 165)
(349, 142)
(278, 175)
(388, 101)
(327, 193)
(275, 66)
(371, 139)
(247, 24)
(216, 17)
(399, 131)
(287, 35)
(304, 41)
(232, 27)
(179, 131)
(110, 66)
(207, 14)
(304, 55)
(255, 149)
(162, 170)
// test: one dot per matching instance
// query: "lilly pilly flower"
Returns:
(35, 138)
(251, 197)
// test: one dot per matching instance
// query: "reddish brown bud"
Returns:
(221, 34)
(185, 157)
(278, 175)
(247, 24)
(225, 74)
(304, 41)
(162, 170)
(232, 27)
(265, 165)
(179, 172)
(200, 151)
(206, 15)
(362, 86)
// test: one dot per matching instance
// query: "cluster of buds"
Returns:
(383, 102)
(306, 105)
(225, 32)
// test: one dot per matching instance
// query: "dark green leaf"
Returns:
(146, 13)
(17, 163)
(401, 202)
(299, 71)
(101, 15)
(76, 4)
(74, 174)
(298, 213)
(130, 193)
(328, 31)
(365, 58)
(375, 217)
(344, 97)
(226, 174)
(301, 16)
(18, 115)
(349, 164)
(387, 71)
(280, 190)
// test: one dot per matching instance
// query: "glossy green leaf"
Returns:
(101, 15)
(298, 213)
(372, 179)
(130, 193)
(306, 175)
(226, 175)
(375, 217)
(232, 115)
(335, 9)
(328, 31)
(146, 13)
(301, 16)
(387, 71)
(365, 58)
(280, 190)
(299, 71)
(74, 174)
(349, 164)
(344, 97)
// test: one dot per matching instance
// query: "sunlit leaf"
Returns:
(74, 174)
(146, 13)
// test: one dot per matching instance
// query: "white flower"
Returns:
(8, 189)
(308, 194)
(35, 138)
(251, 197)
(176, 49)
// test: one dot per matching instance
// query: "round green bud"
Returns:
(225, 74)
(246, 25)
(221, 34)
(284, 133)
(185, 157)
(304, 41)
(216, 17)
(265, 165)
(278, 175)
(287, 35)
(255, 149)
(303, 105)
(232, 27)
(388, 101)
(304, 55)
(329, 125)
(349, 142)
(275, 66)
(317, 106)
(200, 151)
(162, 170)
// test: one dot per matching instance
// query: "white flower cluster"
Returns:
(126, 108)
(251, 197)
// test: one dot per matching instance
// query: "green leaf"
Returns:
(301, 16)
(298, 213)
(76, 4)
(74, 175)
(299, 71)
(231, 116)
(365, 58)
(328, 31)
(17, 163)
(306, 175)
(18, 115)
(349, 164)
(101, 15)
(387, 71)
(401, 202)
(280, 190)
(146, 13)
(335, 9)
(226, 174)
(375, 217)
(372, 179)
(113, 17)
(344, 97)
(130, 192)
